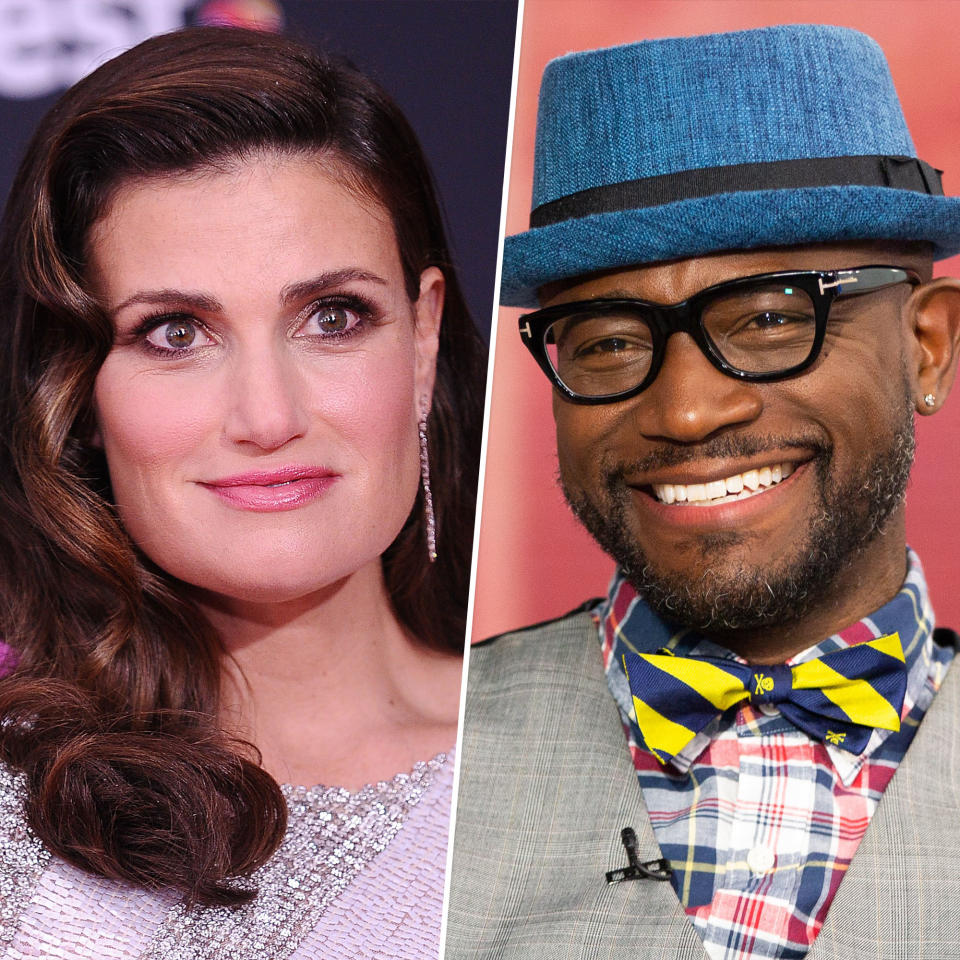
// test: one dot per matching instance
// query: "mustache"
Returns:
(718, 448)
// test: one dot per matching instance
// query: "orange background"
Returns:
(534, 560)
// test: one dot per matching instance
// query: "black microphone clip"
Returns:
(651, 870)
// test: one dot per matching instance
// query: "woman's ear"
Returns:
(934, 325)
(429, 312)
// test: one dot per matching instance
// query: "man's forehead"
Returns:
(674, 280)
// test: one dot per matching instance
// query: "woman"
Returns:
(227, 397)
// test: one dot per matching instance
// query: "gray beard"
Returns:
(851, 513)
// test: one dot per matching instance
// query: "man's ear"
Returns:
(934, 321)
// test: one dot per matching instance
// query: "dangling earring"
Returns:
(427, 495)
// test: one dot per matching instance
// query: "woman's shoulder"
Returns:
(49, 905)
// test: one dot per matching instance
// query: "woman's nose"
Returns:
(265, 399)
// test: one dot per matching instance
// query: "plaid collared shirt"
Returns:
(759, 821)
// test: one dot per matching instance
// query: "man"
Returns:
(731, 246)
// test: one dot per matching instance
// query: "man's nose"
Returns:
(265, 399)
(691, 399)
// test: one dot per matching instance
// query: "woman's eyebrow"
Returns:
(170, 297)
(324, 281)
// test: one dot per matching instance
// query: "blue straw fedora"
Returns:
(677, 148)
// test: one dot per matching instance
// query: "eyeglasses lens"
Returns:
(765, 329)
(599, 354)
(759, 330)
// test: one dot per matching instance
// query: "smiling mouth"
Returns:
(267, 491)
(738, 487)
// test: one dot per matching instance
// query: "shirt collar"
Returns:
(626, 623)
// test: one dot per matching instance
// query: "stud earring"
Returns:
(427, 495)
(930, 400)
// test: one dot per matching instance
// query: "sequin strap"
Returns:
(22, 856)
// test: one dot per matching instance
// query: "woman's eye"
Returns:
(331, 319)
(178, 335)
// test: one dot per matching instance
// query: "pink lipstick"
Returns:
(267, 491)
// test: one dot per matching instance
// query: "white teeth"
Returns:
(716, 488)
(737, 487)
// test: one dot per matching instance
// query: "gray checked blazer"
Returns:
(547, 784)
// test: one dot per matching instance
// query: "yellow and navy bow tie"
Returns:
(839, 698)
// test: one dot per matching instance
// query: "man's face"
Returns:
(840, 435)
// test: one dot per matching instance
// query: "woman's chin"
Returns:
(283, 585)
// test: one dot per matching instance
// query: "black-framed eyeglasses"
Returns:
(760, 328)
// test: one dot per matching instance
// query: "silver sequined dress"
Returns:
(359, 875)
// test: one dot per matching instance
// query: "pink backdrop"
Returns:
(534, 561)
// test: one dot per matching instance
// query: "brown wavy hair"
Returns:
(110, 712)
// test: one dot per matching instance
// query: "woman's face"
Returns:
(259, 408)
